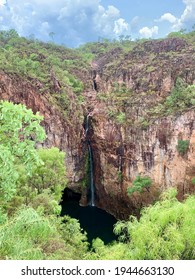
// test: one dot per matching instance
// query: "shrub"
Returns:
(139, 184)
(120, 118)
(182, 146)
(193, 180)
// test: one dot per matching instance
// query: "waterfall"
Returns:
(92, 187)
(87, 126)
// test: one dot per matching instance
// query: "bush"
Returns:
(120, 118)
(139, 184)
(182, 146)
(193, 180)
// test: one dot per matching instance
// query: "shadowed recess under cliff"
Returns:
(96, 222)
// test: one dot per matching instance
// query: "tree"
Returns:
(193, 180)
(51, 35)
(51, 174)
(182, 146)
(19, 131)
(43, 188)
(8, 34)
(139, 184)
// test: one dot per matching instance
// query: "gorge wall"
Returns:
(120, 91)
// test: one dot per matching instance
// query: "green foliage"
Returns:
(182, 146)
(120, 118)
(29, 235)
(122, 229)
(143, 123)
(45, 203)
(120, 176)
(43, 189)
(9, 34)
(150, 69)
(91, 51)
(3, 217)
(19, 131)
(114, 251)
(182, 97)
(119, 89)
(51, 174)
(37, 178)
(177, 99)
(74, 237)
(193, 180)
(24, 236)
(139, 184)
(177, 34)
(165, 230)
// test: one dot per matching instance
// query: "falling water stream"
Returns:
(92, 187)
(96, 222)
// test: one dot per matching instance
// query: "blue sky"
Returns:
(74, 22)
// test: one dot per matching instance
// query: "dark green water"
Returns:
(96, 222)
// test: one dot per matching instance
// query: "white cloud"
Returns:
(120, 26)
(104, 21)
(2, 2)
(168, 17)
(72, 21)
(147, 32)
(186, 20)
(188, 16)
